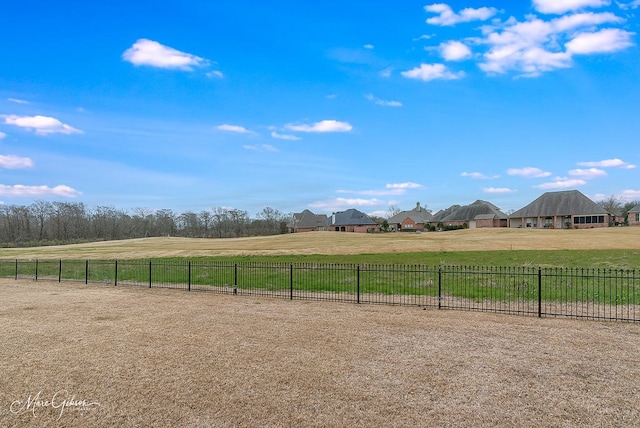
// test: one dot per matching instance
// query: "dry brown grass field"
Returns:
(343, 243)
(78, 355)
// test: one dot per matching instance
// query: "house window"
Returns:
(588, 219)
(408, 226)
(637, 216)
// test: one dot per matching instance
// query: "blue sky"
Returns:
(318, 105)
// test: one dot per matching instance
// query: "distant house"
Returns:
(352, 220)
(633, 218)
(306, 221)
(414, 219)
(561, 210)
(479, 214)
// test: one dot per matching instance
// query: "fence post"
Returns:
(60, 270)
(35, 277)
(86, 272)
(149, 273)
(235, 278)
(439, 287)
(115, 278)
(189, 276)
(291, 281)
(16, 269)
(539, 292)
(358, 283)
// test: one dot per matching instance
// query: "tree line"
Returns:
(49, 223)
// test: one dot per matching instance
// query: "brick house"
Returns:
(352, 220)
(306, 221)
(415, 219)
(479, 214)
(633, 217)
(561, 210)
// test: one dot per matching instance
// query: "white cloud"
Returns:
(446, 16)
(606, 40)
(386, 72)
(608, 163)
(17, 101)
(454, 51)
(41, 125)
(406, 185)
(536, 46)
(479, 176)
(632, 5)
(378, 101)
(587, 174)
(561, 6)
(338, 204)
(234, 128)
(215, 74)
(528, 172)
(38, 191)
(2, 135)
(154, 54)
(562, 183)
(261, 147)
(630, 195)
(427, 72)
(15, 162)
(368, 46)
(498, 190)
(289, 137)
(322, 126)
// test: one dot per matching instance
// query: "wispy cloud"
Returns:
(288, 137)
(19, 190)
(41, 125)
(390, 189)
(630, 195)
(528, 172)
(215, 74)
(261, 147)
(561, 183)
(563, 6)
(368, 46)
(151, 53)
(498, 190)
(17, 101)
(322, 126)
(587, 174)
(2, 135)
(427, 72)
(479, 176)
(15, 162)
(447, 17)
(603, 41)
(234, 128)
(608, 163)
(338, 204)
(379, 102)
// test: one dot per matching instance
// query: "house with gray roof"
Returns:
(633, 216)
(411, 220)
(561, 210)
(352, 220)
(479, 214)
(306, 221)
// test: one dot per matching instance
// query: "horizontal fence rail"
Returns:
(599, 294)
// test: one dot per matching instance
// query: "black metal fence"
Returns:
(604, 294)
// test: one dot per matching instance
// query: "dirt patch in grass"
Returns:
(165, 358)
(344, 243)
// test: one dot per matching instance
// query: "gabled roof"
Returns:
(418, 215)
(443, 213)
(351, 217)
(568, 202)
(635, 209)
(475, 211)
(306, 219)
